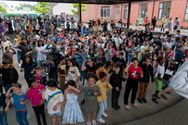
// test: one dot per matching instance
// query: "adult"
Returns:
(153, 22)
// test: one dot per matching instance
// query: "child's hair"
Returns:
(91, 75)
(71, 83)
(38, 67)
(32, 80)
(27, 56)
(117, 65)
(52, 83)
(17, 85)
(102, 75)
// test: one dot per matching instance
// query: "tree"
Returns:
(75, 11)
(42, 8)
(22, 6)
(2, 9)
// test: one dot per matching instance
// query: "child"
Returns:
(104, 86)
(34, 94)
(28, 66)
(90, 94)
(72, 112)
(101, 68)
(51, 68)
(61, 73)
(159, 79)
(116, 81)
(40, 75)
(166, 79)
(20, 102)
(54, 99)
(3, 107)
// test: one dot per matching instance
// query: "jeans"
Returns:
(39, 112)
(21, 117)
(3, 118)
(102, 108)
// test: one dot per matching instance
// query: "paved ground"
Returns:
(175, 115)
(115, 117)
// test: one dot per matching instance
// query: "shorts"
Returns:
(58, 114)
(159, 84)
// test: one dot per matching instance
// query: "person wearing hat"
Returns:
(20, 102)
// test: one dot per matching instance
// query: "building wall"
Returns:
(178, 8)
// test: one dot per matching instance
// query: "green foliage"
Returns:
(42, 8)
(75, 11)
(22, 6)
(2, 9)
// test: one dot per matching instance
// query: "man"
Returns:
(153, 22)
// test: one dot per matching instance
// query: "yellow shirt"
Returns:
(103, 88)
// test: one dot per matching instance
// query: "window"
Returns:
(126, 11)
(143, 8)
(105, 11)
(117, 12)
(164, 9)
(186, 11)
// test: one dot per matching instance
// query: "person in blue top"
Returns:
(20, 102)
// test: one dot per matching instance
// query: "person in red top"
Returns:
(134, 74)
(34, 94)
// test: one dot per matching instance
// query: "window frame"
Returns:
(106, 8)
(140, 9)
(186, 11)
(124, 10)
(117, 16)
(164, 2)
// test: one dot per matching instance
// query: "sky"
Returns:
(66, 8)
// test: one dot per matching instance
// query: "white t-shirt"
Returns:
(41, 53)
(52, 99)
(160, 70)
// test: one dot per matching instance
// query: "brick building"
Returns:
(151, 8)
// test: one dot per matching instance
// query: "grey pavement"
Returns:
(175, 115)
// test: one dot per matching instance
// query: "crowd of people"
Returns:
(62, 62)
(166, 24)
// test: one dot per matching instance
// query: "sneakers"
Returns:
(154, 99)
(164, 97)
(94, 122)
(88, 123)
(105, 115)
(139, 100)
(134, 105)
(102, 121)
(127, 107)
(19, 65)
(144, 100)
